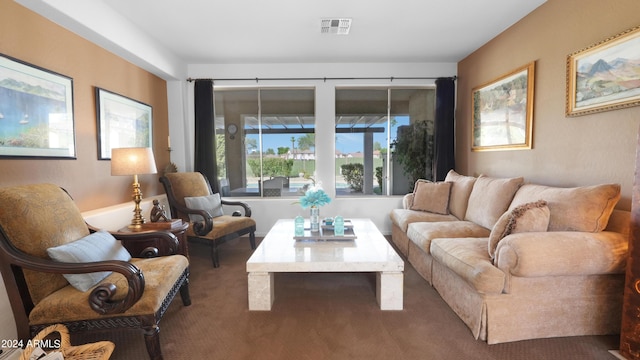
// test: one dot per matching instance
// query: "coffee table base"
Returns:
(389, 290)
(261, 291)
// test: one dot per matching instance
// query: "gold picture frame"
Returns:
(502, 116)
(605, 76)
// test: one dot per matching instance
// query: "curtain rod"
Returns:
(391, 78)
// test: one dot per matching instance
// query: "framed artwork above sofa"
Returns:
(503, 111)
(605, 76)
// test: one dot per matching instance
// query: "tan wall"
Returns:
(31, 38)
(567, 151)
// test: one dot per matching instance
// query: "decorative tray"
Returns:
(326, 234)
(347, 225)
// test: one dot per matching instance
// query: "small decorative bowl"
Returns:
(328, 221)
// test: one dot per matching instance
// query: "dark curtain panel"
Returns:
(205, 135)
(444, 158)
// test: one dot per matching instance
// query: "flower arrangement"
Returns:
(314, 197)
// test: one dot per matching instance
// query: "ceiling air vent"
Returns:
(335, 26)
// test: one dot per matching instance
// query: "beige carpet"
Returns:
(324, 316)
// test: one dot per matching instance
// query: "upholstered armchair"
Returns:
(190, 197)
(95, 284)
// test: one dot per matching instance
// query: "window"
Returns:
(369, 121)
(265, 141)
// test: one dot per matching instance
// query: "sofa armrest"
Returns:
(407, 200)
(562, 253)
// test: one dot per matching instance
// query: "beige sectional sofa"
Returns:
(518, 261)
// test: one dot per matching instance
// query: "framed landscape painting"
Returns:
(605, 76)
(36, 112)
(503, 111)
(122, 122)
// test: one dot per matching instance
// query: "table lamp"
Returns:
(133, 161)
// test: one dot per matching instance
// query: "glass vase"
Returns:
(314, 218)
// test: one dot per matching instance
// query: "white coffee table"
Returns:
(369, 252)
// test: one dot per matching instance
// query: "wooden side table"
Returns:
(137, 246)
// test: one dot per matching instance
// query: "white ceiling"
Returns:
(288, 31)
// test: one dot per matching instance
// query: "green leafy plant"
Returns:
(414, 150)
(271, 166)
(353, 175)
(379, 176)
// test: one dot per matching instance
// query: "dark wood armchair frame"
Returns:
(13, 261)
(202, 228)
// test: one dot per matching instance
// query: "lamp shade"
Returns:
(132, 161)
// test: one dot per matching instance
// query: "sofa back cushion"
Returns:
(585, 208)
(460, 190)
(490, 198)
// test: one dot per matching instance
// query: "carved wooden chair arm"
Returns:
(244, 205)
(167, 237)
(101, 297)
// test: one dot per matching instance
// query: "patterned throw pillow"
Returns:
(530, 217)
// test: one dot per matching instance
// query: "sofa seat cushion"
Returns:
(224, 225)
(468, 258)
(586, 208)
(490, 198)
(460, 190)
(70, 304)
(422, 233)
(403, 217)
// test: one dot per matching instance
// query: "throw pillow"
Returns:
(431, 196)
(99, 246)
(211, 203)
(530, 217)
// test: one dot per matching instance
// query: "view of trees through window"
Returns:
(265, 141)
(382, 139)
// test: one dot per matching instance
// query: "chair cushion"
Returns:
(431, 197)
(187, 184)
(224, 225)
(69, 304)
(98, 246)
(54, 220)
(490, 198)
(211, 203)
(460, 190)
(530, 217)
(585, 208)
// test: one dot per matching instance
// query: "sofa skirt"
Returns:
(421, 261)
(591, 305)
(400, 240)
